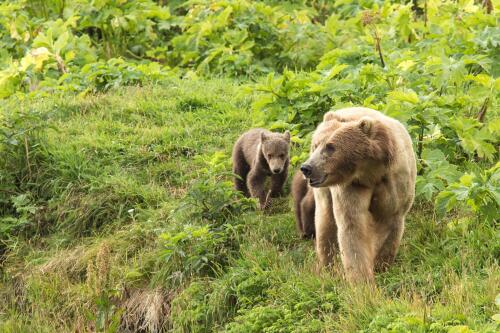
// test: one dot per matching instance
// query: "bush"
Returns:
(212, 197)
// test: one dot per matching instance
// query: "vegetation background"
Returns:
(117, 120)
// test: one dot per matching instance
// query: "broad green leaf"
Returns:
(445, 201)
(9, 81)
(494, 126)
(466, 180)
(406, 65)
(404, 96)
(61, 42)
(460, 329)
(35, 57)
(223, 18)
(335, 70)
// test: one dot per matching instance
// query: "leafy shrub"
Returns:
(71, 46)
(204, 250)
(102, 76)
(21, 221)
(479, 190)
(295, 306)
(244, 37)
(395, 322)
(56, 45)
(194, 250)
(213, 197)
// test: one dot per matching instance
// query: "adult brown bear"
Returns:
(363, 173)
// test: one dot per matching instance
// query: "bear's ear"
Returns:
(331, 115)
(328, 116)
(366, 125)
(263, 136)
(286, 135)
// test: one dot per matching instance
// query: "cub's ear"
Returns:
(286, 135)
(263, 136)
(366, 125)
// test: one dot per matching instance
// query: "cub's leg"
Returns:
(240, 181)
(255, 184)
(277, 182)
(326, 229)
(240, 169)
(298, 197)
(356, 232)
(307, 208)
(389, 248)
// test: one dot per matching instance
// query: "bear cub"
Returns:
(304, 206)
(258, 154)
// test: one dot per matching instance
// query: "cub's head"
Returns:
(346, 150)
(275, 148)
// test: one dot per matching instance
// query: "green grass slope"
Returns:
(118, 215)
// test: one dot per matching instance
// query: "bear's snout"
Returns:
(276, 170)
(306, 170)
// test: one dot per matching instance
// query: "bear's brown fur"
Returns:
(303, 202)
(363, 175)
(302, 193)
(258, 154)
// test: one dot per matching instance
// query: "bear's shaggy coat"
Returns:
(363, 174)
(258, 154)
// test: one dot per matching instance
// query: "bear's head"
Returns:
(348, 150)
(275, 148)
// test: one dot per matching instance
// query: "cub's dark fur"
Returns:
(304, 206)
(258, 154)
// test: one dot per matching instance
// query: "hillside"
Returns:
(134, 216)
(117, 120)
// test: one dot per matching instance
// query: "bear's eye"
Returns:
(282, 156)
(268, 155)
(329, 148)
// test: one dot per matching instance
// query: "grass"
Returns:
(123, 216)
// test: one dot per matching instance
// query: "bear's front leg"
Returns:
(277, 182)
(255, 183)
(356, 232)
(326, 230)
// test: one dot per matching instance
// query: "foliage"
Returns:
(245, 37)
(25, 211)
(198, 249)
(115, 183)
(56, 45)
(392, 61)
(212, 197)
(223, 268)
(70, 46)
(397, 322)
(204, 250)
(480, 191)
(300, 310)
